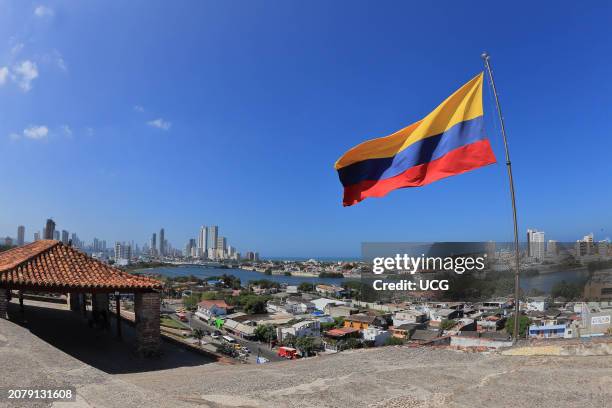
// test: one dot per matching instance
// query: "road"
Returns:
(255, 346)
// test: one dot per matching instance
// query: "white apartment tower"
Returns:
(202, 241)
(535, 244)
(213, 234)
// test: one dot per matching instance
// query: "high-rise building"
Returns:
(162, 242)
(76, 242)
(552, 249)
(221, 247)
(202, 241)
(65, 237)
(49, 231)
(603, 248)
(213, 233)
(585, 246)
(20, 235)
(123, 251)
(37, 236)
(221, 243)
(190, 248)
(56, 235)
(535, 244)
(153, 244)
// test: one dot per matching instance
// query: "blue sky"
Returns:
(117, 118)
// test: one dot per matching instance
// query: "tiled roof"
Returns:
(53, 265)
(340, 332)
(207, 304)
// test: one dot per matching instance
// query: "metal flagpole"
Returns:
(486, 58)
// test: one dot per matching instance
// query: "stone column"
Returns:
(4, 298)
(99, 307)
(74, 301)
(147, 309)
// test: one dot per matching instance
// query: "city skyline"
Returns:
(200, 126)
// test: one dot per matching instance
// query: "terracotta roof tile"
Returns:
(49, 263)
(210, 303)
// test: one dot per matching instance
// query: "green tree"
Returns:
(306, 287)
(230, 281)
(265, 332)
(351, 343)
(190, 302)
(524, 322)
(198, 334)
(212, 295)
(255, 306)
(447, 324)
(306, 345)
(394, 341)
(569, 291)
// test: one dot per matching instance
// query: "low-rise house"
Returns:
(323, 318)
(491, 323)
(297, 306)
(536, 304)
(330, 290)
(362, 321)
(275, 306)
(424, 336)
(494, 304)
(321, 303)
(409, 316)
(463, 324)
(375, 336)
(242, 330)
(209, 309)
(259, 290)
(548, 330)
(406, 330)
(340, 311)
(335, 339)
(437, 315)
(305, 328)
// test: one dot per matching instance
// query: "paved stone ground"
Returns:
(394, 377)
(390, 377)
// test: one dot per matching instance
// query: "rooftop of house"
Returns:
(425, 335)
(53, 266)
(220, 303)
(341, 332)
(361, 318)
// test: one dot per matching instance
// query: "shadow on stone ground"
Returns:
(69, 332)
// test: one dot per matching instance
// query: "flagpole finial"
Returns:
(485, 55)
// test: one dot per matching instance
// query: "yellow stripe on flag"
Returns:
(464, 104)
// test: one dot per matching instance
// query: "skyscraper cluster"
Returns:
(210, 245)
(584, 248)
(159, 245)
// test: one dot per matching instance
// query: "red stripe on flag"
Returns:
(460, 160)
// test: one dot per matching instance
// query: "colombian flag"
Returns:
(448, 141)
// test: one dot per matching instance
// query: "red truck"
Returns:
(287, 352)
